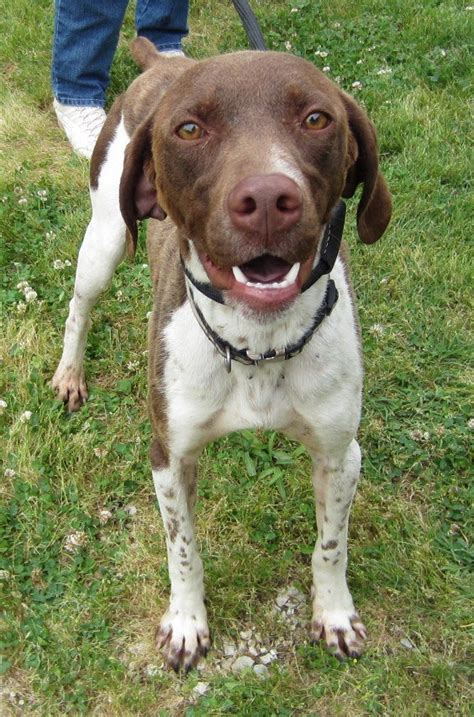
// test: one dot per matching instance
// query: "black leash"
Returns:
(250, 23)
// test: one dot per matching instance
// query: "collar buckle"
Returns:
(273, 355)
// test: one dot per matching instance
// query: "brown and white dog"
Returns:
(248, 154)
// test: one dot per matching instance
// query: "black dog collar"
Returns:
(329, 251)
(249, 358)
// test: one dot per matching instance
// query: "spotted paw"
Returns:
(183, 638)
(343, 632)
(70, 386)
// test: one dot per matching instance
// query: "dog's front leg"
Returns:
(102, 249)
(183, 634)
(334, 616)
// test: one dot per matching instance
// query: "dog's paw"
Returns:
(70, 387)
(183, 639)
(343, 632)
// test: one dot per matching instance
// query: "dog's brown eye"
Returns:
(316, 120)
(190, 131)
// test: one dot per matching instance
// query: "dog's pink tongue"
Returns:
(265, 269)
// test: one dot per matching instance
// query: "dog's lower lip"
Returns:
(261, 296)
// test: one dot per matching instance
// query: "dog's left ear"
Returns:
(375, 205)
(138, 198)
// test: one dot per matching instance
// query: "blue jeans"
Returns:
(86, 35)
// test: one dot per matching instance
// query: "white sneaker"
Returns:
(82, 125)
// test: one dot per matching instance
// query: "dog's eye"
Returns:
(316, 121)
(190, 131)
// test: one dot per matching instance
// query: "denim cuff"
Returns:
(76, 102)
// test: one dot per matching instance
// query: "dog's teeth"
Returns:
(290, 278)
(239, 275)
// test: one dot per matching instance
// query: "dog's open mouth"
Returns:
(264, 283)
(266, 272)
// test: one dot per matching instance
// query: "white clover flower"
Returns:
(120, 296)
(50, 235)
(105, 516)
(384, 71)
(42, 193)
(75, 541)
(9, 473)
(321, 53)
(288, 45)
(133, 365)
(5, 575)
(58, 264)
(25, 416)
(23, 285)
(377, 329)
(21, 307)
(356, 85)
(3, 404)
(67, 262)
(418, 435)
(30, 295)
(131, 510)
(359, 62)
(100, 451)
(326, 68)
(23, 200)
(470, 424)
(336, 25)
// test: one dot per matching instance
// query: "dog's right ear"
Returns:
(138, 198)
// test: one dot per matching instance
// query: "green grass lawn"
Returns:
(77, 627)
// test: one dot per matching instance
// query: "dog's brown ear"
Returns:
(137, 185)
(375, 205)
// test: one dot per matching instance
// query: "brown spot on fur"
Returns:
(173, 528)
(169, 493)
(105, 137)
(326, 560)
(330, 545)
(184, 563)
(170, 509)
(159, 458)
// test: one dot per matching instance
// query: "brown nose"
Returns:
(265, 204)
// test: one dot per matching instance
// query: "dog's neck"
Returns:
(246, 329)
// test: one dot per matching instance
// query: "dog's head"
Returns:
(248, 153)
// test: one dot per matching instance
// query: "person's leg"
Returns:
(85, 38)
(164, 22)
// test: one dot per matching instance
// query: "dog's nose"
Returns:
(265, 204)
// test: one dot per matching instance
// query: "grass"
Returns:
(77, 628)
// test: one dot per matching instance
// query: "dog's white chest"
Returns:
(259, 399)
